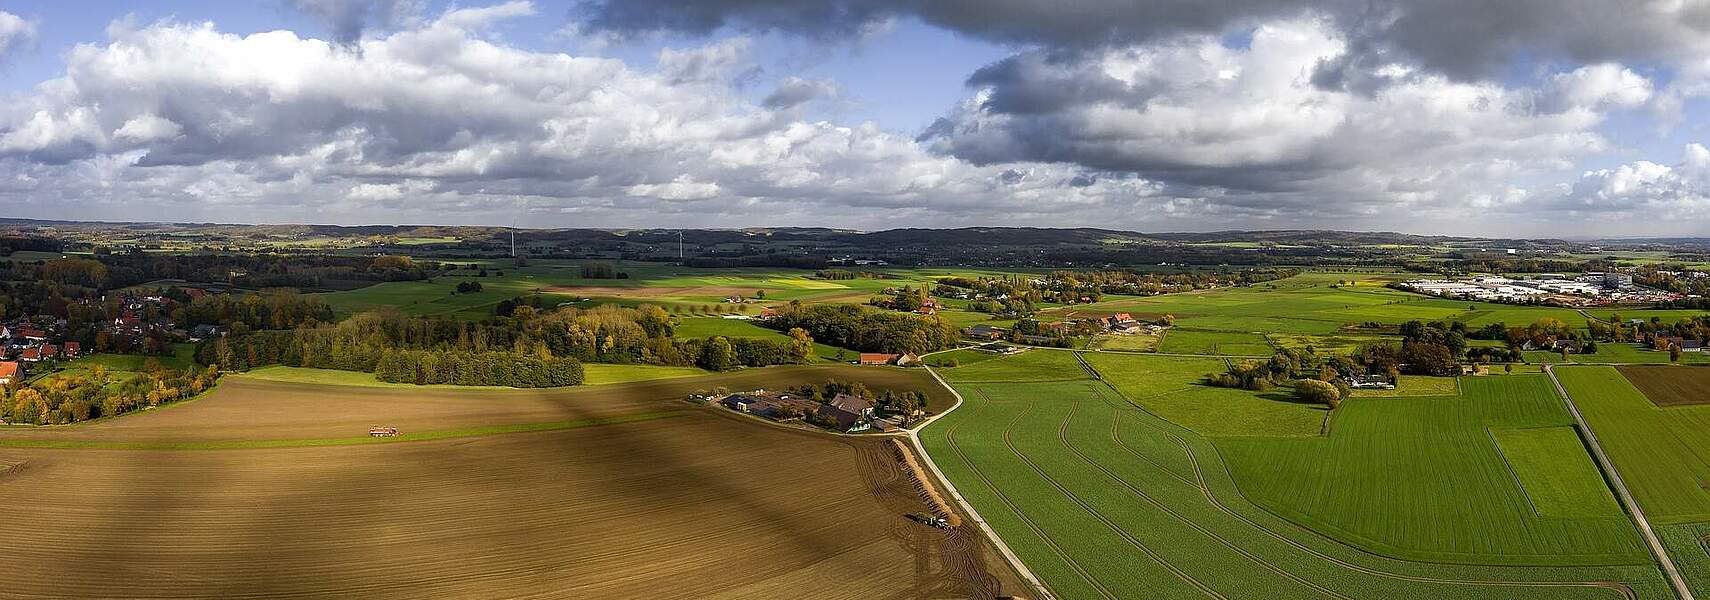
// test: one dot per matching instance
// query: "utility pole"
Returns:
(679, 246)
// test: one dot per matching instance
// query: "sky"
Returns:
(1570, 118)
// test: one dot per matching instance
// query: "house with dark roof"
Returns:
(853, 403)
(843, 420)
(985, 332)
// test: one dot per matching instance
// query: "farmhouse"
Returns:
(881, 358)
(985, 332)
(8, 371)
(852, 403)
(877, 358)
(843, 420)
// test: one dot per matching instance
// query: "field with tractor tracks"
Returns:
(266, 489)
(1102, 498)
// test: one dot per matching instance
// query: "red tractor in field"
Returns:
(378, 431)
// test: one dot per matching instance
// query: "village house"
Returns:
(8, 371)
(31, 354)
(72, 349)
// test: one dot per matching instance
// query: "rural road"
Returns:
(1668, 567)
(914, 438)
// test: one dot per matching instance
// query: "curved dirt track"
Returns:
(706, 505)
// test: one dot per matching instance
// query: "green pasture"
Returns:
(1416, 385)
(1103, 499)
(1173, 387)
(705, 327)
(1424, 478)
(962, 357)
(1228, 343)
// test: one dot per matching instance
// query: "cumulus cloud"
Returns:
(15, 32)
(436, 123)
(436, 120)
(1645, 189)
(1597, 86)
(1245, 126)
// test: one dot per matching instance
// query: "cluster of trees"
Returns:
(477, 368)
(101, 393)
(609, 334)
(1316, 379)
(109, 271)
(866, 330)
(905, 298)
(467, 287)
(602, 270)
(270, 309)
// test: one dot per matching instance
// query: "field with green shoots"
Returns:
(1101, 498)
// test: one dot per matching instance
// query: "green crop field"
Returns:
(1663, 454)
(1102, 499)
(1229, 343)
(1032, 365)
(1172, 387)
(1556, 487)
(1424, 478)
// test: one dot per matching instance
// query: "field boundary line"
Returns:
(1626, 497)
(986, 528)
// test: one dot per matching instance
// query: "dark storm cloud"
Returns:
(1464, 39)
(346, 19)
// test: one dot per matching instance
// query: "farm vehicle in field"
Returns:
(930, 520)
(378, 431)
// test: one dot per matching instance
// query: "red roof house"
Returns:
(877, 358)
(8, 370)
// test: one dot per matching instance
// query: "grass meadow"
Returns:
(1228, 343)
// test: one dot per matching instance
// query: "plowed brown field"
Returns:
(1668, 385)
(705, 504)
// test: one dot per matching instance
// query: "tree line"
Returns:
(100, 392)
(867, 330)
